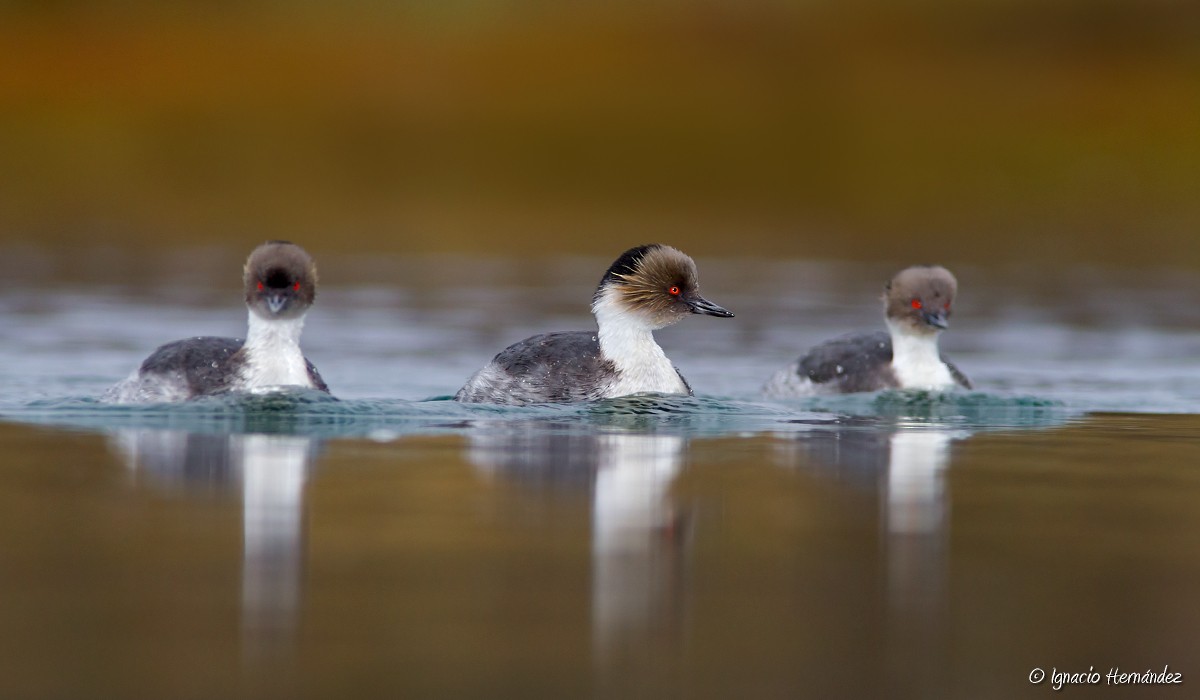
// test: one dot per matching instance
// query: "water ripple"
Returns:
(316, 414)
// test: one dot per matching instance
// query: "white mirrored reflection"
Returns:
(638, 535)
(274, 469)
(270, 472)
(915, 506)
(906, 465)
(915, 495)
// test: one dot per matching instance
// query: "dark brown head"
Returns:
(281, 280)
(655, 283)
(921, 298)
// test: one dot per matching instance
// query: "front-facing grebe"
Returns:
(280, 281)
(917, 305)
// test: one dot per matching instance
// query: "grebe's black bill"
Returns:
(700, 305)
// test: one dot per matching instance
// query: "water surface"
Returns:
(394, 543)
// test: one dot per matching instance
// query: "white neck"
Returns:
(273, 356)
(916, 360)
(627, 340)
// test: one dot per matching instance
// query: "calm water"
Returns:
(396, 544)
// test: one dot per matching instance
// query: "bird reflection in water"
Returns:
(269, 471)
(638, 534)
(915, 514)
(906, 465)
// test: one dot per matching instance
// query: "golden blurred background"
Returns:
(991, 130)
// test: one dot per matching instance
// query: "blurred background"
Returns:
(930, 130)
(433, 155)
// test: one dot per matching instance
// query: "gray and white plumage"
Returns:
(280, 281)
(647, 288)
(917, 305)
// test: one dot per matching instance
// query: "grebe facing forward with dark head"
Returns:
(280, 281)
(917, 304)
(647, 288)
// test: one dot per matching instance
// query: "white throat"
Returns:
(916, 360)
(627, 340)
(273, 356)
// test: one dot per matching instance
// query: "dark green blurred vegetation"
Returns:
(935, 130)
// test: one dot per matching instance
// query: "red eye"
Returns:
(296, 286)
(916, 303)
(673, 291)
(260, 286)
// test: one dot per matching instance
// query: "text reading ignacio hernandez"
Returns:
(1115, 676)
